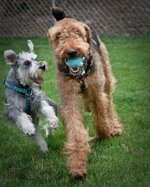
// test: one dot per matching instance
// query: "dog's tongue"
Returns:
(38, 80)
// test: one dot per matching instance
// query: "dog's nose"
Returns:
(43, 67)
(72, 52)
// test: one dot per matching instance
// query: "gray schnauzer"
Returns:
(24, 100)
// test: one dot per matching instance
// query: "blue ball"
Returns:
(75, 62)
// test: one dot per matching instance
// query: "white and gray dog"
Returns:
(24, 100)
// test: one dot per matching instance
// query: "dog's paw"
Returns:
(48, 130)
(29, 129)
(50, 125)
(44, 148)
(54, 123)
(78, 175)
(117, 130)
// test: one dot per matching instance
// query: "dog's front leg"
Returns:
(37, 138)
(76, 147)
(49, 113)
(23, 121)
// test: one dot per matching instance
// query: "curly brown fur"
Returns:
(95, 91)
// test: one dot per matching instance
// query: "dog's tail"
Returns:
(58, 13)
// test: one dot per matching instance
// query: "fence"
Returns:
(32, 17)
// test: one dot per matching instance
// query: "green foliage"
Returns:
(119, 161)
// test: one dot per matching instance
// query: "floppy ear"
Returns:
(48, 35)
(30, 45)
(88, 34)
(51, 34)
(10, 57)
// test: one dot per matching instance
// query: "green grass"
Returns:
(117, 162)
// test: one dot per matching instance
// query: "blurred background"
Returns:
(32, 17)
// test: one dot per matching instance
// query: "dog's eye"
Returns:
(27, 62)
(57, 36)
(78, 33)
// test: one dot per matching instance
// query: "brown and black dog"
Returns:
(84, 78)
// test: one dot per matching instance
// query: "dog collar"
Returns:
(27, 92)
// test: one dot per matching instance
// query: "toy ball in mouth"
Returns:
(75, 62)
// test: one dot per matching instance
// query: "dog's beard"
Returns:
(27, 78)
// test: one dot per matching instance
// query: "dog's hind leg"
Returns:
(116, 127)
(37, 138)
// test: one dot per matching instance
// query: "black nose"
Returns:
(72, 52)
(43, 67)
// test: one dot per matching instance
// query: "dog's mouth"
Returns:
(42, 68)
(75, 65)
(38, 80)
(76, 70)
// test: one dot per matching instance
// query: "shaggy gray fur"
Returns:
(26, 71)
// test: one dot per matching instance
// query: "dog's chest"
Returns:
(35, 104)
(83, 86)
(29, 105)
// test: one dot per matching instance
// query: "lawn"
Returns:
(117, 162)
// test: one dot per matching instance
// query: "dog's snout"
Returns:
(72, 52)
(43, 67)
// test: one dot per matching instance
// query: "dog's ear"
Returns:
(58, 13)
(10, 57)
(88, 33)
(49, 36)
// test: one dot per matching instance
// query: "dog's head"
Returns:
(27, 70)
(71, 40)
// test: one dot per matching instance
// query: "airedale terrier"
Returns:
(84, 78)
